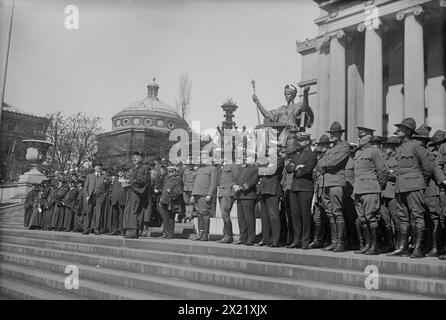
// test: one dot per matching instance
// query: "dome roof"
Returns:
(149, 113)
(151, 105)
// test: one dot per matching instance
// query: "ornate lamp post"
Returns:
(36, 151)
(229, 108)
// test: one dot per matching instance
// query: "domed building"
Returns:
(144, 126)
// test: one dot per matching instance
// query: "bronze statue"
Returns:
(291, 114)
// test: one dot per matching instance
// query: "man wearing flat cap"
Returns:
(333, 167)
(302, 163)
(96, 188)
(413, 173)
(438, 146)
(137, 184)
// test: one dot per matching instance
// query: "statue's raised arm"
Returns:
(290, 114)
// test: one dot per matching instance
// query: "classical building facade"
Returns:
(375, 62)
(143, 126)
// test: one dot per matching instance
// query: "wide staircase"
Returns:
(33, 265)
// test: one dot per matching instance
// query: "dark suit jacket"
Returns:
(303, 177)
(270, 184)
(247, 178)
(96, 185)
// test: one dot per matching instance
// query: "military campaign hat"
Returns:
(422, 133)
(324, 139)
(335, 127)
(429, 128)
(377, 139)
(303, 136)
(392, 140)
(408, 123)
(363, 131)
(438, 138)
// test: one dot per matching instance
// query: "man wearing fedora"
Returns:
(388, 202)
(439, 147)
(303, 161)
(137, 185)
(413, 173)
(370, 179)
(431, 196)
(333, 167)
(319, 215)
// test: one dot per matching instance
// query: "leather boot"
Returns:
(418, 250)
(403, 249)
(361, 239)
(144, 232)
(373, 250)
(366, 239)
(223, 240)
(340, 241)
(332, 245)
(207, 223)
(388, 242)
(317, 243)
(435, 241)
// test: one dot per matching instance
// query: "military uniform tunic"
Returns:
(413, 173)
(370, 178)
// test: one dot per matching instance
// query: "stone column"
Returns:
(322, 123)
(435, 89)
(394, 96)
(373, 78)
(337, 79)
(413, 63)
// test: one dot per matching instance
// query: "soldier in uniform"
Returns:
(413, 173)
(370, 179)
(388, 202)
(137, 183)
(303, 161)
(29, 202)
(228, 178)
(431, 195)
(333, 167)
(287, 180)
(245, 194)
(205, 186)
(319, 215)
(58, 213)
(439, 147)
(351, 217)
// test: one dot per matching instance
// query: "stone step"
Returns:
(134, 280)
(267, 284)
(154, 261)
(16, 289)
(432, 267)
(87, 289)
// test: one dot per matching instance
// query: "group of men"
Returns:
(378, 196)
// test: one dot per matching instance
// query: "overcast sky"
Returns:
(121, 45)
